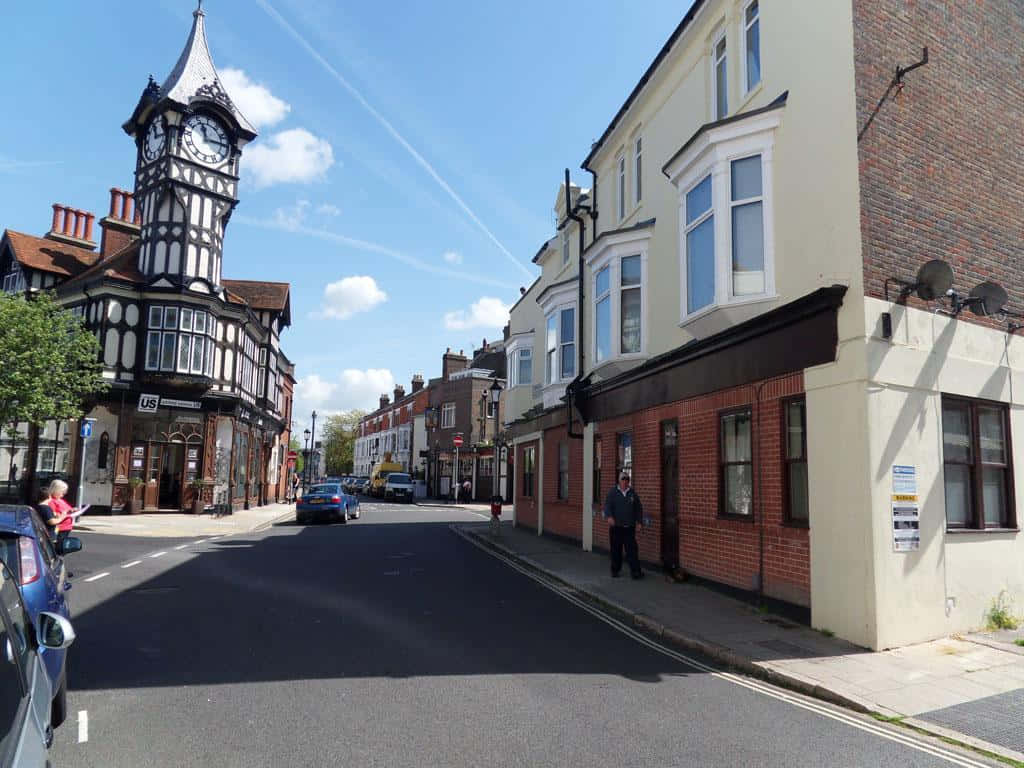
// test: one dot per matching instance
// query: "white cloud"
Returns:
(350, 295)
(352, 388)
(452, 257)
(295, 155)
(254, 100)
(488, 312)
(328, 209)
(292, 217)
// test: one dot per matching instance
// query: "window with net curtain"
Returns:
(630, 304)
(736, 464)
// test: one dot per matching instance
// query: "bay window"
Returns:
(603, 315)
(567, 343)
(180, 340)
(619, 266)
(724, 178)
(630, 304)
(524, 366)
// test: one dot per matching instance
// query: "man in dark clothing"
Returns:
(624, 512)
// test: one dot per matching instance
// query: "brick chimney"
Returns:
(417, 383)
(452, 363)
(384, 401)
(121, 225)
(72, 226)
(399, 392)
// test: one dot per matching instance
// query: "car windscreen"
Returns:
(398, 477)
(324, 490)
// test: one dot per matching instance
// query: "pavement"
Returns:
(389, 641)
(968, 688)
(173, 525)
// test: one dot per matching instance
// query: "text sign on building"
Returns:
(148, 403)
(906, 511)
(169, 403)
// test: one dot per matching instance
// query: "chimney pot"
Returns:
(115, 202)
(57, 212)
(89, 218)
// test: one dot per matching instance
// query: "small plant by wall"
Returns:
(1000, 613)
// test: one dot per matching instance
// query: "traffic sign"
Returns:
(86, 428)
(292, 455)
(457, 441)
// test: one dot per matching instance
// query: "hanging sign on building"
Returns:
(906, 511)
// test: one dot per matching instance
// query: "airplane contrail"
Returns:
(420, 160)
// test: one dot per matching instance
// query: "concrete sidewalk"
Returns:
(483, 509)
(171, 525)
(970, 689)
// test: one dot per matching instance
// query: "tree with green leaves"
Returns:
(50, 362)
(339, 439)
(300, 461)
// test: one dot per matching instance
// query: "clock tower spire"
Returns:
(189, 136)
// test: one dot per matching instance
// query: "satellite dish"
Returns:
(933, 280)
(988, 298)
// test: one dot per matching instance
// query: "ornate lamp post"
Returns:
(312, 438)
(305, 469)
(495, 391)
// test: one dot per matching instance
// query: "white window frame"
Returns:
(14, 281)
(716, 113)
(620, 186)
(565, 244)
(554, 376)
(610, 252)
(713, 152)
(638, 170)
(447, 415)
(605, 295)
(744, 28)
(516, 348)
(562, 343)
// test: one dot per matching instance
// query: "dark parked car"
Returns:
(327, 501)
(38, 566)
(25, 693)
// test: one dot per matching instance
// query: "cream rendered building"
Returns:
(732, 333)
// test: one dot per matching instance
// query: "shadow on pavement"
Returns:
(343, 601)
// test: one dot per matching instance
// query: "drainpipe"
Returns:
(593, 203)
(570, 213)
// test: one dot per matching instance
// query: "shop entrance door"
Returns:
(669, 494)
(170, 476)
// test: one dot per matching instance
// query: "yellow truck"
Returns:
(379, 475)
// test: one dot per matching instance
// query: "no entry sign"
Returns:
(457, 441)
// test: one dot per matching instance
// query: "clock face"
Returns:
(206, 139)
(156, 137)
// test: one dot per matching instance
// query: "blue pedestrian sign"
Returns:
(86, 429)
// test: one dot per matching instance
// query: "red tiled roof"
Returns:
(260, 294)
(49, 255)
(121, 265)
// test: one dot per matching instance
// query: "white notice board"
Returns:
(906, 514)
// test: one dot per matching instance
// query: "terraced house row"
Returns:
(198, 411)
(733, 310)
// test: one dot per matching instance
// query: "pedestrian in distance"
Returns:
(65, 522)
(295, 486)
(624, 512)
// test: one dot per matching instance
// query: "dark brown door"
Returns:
(670, 493)
(171, 471)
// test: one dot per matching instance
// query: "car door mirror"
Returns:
(69, 545)
(54, 631)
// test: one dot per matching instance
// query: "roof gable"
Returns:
(48, 255)
(261, 294)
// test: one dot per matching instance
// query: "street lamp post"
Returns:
(496, 470)
(312, 438)
(305, 468)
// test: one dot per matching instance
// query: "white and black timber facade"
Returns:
(199, 404)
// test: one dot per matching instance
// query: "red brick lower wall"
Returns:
(563, 517)
(526, 506)
(723, 550)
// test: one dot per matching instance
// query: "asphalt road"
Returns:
(392, 642)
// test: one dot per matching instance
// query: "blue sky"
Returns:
(408, 158)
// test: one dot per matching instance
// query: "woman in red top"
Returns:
(61, 509)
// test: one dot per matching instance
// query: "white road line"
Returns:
(133, 562)
(98, 576)
(181, 546)
(202, 541)
(83, 726)
(750, 683)
(158, 554)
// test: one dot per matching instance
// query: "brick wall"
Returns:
(723, 550)
(526, 506)
(941, 173)
(563, 517)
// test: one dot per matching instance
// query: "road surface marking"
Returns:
(133, 562)
(158, 554)
(83, 726)
(98, 576)
(201, 541)
(750, 683)
(181, 546)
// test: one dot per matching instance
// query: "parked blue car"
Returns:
(26, 549)
(327, 501)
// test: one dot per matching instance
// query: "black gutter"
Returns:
(570, 390)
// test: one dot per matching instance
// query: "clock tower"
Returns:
(189, 136)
